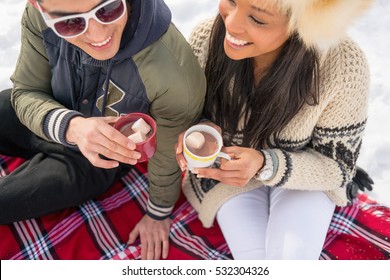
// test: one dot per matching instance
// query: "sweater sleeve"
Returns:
(32, 95)
(328, 160)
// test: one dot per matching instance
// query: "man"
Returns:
(82, 65)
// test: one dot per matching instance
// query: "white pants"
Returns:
(276, 223)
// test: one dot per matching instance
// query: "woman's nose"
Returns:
(234, 22)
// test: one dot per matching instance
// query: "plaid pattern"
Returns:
(99, 229)
(359, 232)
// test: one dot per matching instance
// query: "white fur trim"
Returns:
(322, 23)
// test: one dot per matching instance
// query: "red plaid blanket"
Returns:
(98, 229)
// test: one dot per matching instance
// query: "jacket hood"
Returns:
(148, 21)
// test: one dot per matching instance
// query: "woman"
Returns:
(289, 94)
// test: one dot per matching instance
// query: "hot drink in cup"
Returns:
(138, 130)
(202, 145)
(141, 129)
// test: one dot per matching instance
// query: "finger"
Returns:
(229, 166)
(116, 137)
(157, 250)
(233, 178)
(95, 150)
(232, 150)
(182, 162)
(179, 147)
(165, 247)
(112, 150)
(133, 235)
(144, 246)
(116, 145)
(150, 250)
(130, 157)
(111, 120)
(216, 173)
(232, 158)
(115, 141)
(235, 164)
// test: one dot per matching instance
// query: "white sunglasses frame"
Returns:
(86, 16)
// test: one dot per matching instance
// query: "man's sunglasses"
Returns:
(75, 25)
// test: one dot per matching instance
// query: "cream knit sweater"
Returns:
(326, 138)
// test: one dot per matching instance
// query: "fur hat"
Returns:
(322, 23)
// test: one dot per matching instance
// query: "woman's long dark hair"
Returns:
(287, 85)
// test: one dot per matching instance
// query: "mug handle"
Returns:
(224, 155)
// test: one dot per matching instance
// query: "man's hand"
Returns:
(154, 237)
(96, 136)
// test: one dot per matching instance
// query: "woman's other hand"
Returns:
(239, 170)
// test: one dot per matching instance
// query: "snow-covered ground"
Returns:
(371, 31)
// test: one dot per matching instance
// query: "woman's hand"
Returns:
(96, 137)
(179, 153)
(179, 146)
(236, 172)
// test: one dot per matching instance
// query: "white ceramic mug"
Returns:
(196, 161)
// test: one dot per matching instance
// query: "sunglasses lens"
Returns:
(110, 12)
(75, 26)
(70, 27)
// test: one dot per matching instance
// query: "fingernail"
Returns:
(137, 155)
(115, 164)
(199, 176)
(177, 151)
(131, 146)
(195, 171)
(182, 165)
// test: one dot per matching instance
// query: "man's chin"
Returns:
(102, 54)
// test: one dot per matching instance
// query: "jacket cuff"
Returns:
(56, 123)
(158, 212)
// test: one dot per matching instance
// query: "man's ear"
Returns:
(34, 3)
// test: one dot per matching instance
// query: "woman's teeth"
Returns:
(235, 41)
